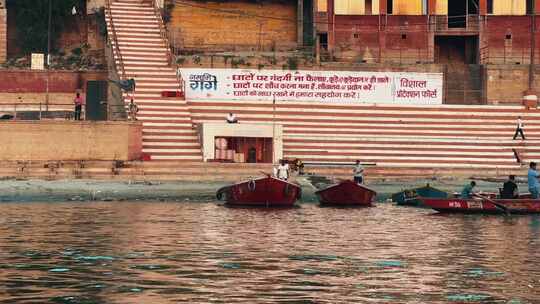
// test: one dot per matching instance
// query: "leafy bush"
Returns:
(32, 19)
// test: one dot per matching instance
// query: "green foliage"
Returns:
(235, 62)
(292, 63)
(167, 11)
(101, 22)
(180, 60)
(32, 19)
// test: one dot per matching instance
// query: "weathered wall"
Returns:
(508, 39)
(363, 39)
(31, 86)
(70, 140)
(506, 83)
(234, 25)
(3, 34)
(94, 5)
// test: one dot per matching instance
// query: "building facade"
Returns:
(427, 31)
(479, 43)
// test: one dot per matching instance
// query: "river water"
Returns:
(159, 252)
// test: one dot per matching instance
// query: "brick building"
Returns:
(241, 25)
(474, 40)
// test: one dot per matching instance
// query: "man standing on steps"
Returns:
(358, 172)
(78, 101)
(519, 128)
(532, 179)
(133, 109)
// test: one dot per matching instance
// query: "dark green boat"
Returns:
(409, 197)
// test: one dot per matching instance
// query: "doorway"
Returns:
(463, 80)
(96, 100)
(456, 49)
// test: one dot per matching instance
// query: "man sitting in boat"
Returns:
(532, 179)
(283, 170)
(358, 172)
(510, 188)
(468, 191)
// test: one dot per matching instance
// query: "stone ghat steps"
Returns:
(389, 135)
(143, 56)
(230, 172)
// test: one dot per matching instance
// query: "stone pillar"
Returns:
(3, 32)
(482, 9)
(300, 19)
(432, 7)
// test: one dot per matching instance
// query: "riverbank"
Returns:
(180, 191)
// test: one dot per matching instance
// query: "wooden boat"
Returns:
(456, 205)
(262, 192)
(346, 193)
(410, 197)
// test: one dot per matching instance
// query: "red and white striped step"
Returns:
(392, 136)
(168, 132)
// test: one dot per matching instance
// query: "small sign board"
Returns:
(38, 61)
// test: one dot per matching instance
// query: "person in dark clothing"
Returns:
(510, 188)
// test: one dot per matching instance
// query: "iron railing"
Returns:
(156, 4)
(39, 111)
(114, 41)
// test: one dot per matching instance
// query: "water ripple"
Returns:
(81, 253)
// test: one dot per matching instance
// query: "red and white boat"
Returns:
(267, 192)
(456, 205)
(347, 193)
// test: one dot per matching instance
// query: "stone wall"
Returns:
(506, 83)
(26, 86)
(234, 25)
(70, 140)
(3, 34)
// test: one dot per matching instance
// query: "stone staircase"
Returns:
(141, 52)
(410, 137)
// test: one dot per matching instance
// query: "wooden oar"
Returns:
(497, 205)
(266, 173)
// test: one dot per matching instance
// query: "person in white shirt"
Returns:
(231, 118)
(519, 128)
(283, 170)
(358, 172)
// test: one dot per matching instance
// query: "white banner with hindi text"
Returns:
(321, 86)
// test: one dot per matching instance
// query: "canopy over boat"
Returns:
(409, 197)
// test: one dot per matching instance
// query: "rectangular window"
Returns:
(509, 7)
(490, 6)
(322, 6)
(390, 7)
(356, 7)
(407, 7)
(349, 7)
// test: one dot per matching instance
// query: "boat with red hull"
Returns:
(267, 192)
(346, 193)
(456, 205)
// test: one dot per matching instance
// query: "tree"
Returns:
(32, 18)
